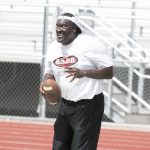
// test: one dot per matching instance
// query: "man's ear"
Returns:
(75, 29)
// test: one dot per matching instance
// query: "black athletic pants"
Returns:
(78, 124)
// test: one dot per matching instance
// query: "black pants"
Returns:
(78, 124)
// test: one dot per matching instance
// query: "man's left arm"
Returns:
(99, 73)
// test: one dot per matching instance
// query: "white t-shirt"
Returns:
(85, 52)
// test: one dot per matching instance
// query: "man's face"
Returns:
(65, 31)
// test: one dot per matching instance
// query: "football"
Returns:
(52, 92)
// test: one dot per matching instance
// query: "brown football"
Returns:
(52, 92)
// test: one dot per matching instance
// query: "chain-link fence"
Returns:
(19, 90)
(19, 86)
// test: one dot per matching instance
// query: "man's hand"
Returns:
(46, 76)
(75, 73)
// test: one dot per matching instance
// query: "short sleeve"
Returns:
(101, 56)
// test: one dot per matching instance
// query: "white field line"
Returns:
(19, 148)
(28, 120)
(26, 137)
(125, 126)
(15, 128)
(23, 143)
(47, 121)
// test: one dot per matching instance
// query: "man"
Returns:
(78, 63)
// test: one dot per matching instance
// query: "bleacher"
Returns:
(22, 20)
(22, 30)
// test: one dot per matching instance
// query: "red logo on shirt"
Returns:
(65, 62)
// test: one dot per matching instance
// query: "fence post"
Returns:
(141, 84)
(42, 103)
(109, 104)
(133, 24)
(110, 89)
(130, 81)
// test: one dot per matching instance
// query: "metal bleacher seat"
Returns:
(21, 30)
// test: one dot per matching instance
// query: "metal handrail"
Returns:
(122, 33)
(125, 109)
(118, 38)
(116, 48)
(141, 75)
(103, 39)
(132, 93)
